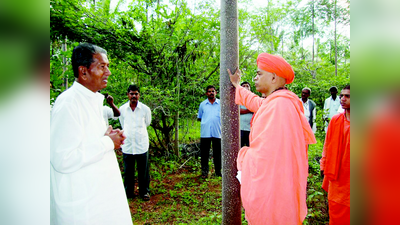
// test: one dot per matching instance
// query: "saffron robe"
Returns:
(274, 168)
(335, 163)
(85, 180)
(380, 174)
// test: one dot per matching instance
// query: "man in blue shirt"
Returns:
(210, 117)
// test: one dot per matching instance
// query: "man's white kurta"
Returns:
(85, 180)
(331, 106)
(135, 125)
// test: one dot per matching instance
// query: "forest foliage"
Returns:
(171, 50)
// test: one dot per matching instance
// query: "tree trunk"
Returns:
(176, 144)
(158, 6)
(316, 57)
(52, 48)
(313, 31)
(64, 49)
(272, 40)
(271, 32)
(336, 62)
(147, 12)
(229, 56)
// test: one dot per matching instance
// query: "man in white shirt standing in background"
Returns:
(331, 106)
(135, 118)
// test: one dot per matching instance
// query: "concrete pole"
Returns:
(231, 203)
(64, 49)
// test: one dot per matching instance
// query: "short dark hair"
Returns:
(245, 82)
(210, 86)
(333, 88)
(347, 87)
(82, 55)
(133, 87)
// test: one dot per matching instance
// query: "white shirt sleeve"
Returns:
(121, 117)
(148, 116)
(71, 149)
(314, 112)
(109, 113)
(326, 106)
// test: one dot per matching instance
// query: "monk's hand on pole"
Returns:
(235, 78)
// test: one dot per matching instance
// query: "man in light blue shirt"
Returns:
(210, 117)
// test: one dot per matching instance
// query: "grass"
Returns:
(180, 196)
(189, 131)
(317, 199)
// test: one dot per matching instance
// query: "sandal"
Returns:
(146, 197)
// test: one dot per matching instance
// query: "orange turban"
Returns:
(276, 64)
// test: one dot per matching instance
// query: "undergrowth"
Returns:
(180, 196)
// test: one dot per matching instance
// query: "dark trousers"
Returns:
(205, 144)
(244, 138)
(142, 161)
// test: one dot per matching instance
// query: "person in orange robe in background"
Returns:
(335, 163)
(274, 168)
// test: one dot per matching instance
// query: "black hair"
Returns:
(245, 82)
(82, 55)
(210, 86)
(347, 87)
(333, 88)
(133, 87)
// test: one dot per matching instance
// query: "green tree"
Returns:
(171, 55)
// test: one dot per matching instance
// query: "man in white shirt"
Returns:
(110, 113)
(135, 118)
(331, 106)
(309, 108)
(85, 181)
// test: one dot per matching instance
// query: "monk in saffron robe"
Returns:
(335, 163)
(274, 168)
